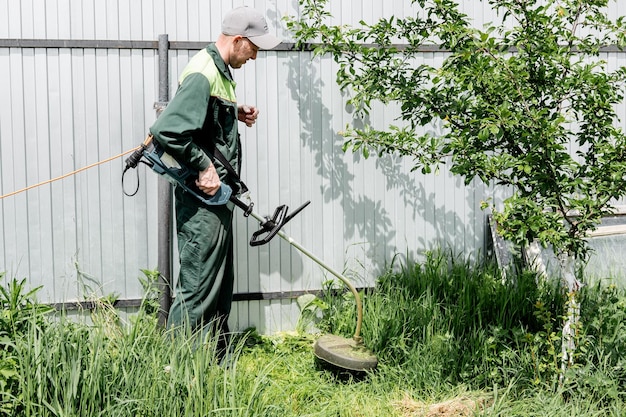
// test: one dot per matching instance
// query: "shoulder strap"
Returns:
(220, 157)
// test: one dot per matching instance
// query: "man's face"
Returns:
(242, 51)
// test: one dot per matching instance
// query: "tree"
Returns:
(526, 103)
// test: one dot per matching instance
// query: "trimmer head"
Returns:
(344, 353)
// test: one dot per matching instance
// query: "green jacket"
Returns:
(202, 115)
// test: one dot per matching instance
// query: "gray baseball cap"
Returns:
(250, 24)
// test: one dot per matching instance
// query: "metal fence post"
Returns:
(164, 197)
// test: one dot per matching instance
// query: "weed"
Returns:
(448, 335)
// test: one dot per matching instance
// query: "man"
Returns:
(200, 118)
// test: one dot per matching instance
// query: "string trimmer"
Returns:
(339, 351)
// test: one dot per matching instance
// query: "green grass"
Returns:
(448, 334)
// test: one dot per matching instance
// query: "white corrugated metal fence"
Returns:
(78, 81)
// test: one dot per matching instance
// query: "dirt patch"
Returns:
(456, 407)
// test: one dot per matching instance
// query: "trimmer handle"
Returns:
(271, 226)
(178, 174)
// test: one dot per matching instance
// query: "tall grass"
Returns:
(109, 369)
(442, 329)
(448, 322)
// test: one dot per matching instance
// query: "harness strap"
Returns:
(220, 157)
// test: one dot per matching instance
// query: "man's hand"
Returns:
(208, 181)
(247, 114)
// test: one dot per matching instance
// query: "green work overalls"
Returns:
(202, 115)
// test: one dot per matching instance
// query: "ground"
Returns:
(456, 407)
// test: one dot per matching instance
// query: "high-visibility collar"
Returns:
(210, 64)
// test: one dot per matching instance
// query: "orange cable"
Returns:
(68, 174)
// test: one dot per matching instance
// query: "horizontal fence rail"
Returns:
(250, 296)
(194, 45)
